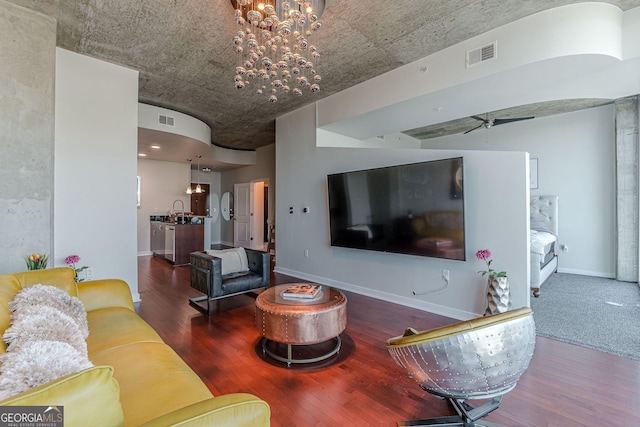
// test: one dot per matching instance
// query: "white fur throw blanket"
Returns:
(46, 339)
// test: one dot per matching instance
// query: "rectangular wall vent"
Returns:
(482, 54)
(166, 120)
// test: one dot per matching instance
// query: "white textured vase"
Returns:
(498, 296)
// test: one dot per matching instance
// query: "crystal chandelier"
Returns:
(275, 43)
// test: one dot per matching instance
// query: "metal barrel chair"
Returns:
(479, 359)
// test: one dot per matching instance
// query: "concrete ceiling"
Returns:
(183, 51)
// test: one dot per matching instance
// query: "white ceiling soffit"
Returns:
(570, 52)
(171, 136)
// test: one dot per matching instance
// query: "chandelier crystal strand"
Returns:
(274, 46)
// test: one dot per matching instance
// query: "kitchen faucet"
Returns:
(182, 212)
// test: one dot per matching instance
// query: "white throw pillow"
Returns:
(36, 363)
(233, 260)
(45, 295)
(37, 323)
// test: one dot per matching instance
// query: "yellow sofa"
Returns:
(137, 380)
(443, 224)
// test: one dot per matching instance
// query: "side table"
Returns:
(300, 321)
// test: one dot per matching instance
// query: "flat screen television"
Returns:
(415, 209)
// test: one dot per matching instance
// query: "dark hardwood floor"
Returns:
(565, 385)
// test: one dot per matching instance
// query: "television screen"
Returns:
(415, 209)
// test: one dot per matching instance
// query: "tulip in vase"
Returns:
(498, 294)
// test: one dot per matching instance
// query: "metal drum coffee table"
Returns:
(300, 321)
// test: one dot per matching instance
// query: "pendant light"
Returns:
(189, 191)
(198, 188)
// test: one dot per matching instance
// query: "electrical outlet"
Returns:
(89, 272)
(306, 253)
(445, 275)
(564, 248)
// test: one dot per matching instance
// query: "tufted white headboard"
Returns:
(544, 213)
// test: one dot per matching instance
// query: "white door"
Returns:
(242, 215)
(257, 218)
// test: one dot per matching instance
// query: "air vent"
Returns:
(482, 54)
(166, 120)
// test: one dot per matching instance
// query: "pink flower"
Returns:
(72, 259)
(483, 254)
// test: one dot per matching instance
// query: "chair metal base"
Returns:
(468, 416)
(198, 302)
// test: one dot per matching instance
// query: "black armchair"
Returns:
(206, 277)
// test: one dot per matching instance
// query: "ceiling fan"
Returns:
(489, 123)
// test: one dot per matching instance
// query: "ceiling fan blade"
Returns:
(497, 122)
(479, 118)
(477, 127)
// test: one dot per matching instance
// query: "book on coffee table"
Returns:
(301, 291)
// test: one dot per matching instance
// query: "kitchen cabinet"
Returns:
(174, 242)
(157, 244)
(199, 200)
(188, 238)
(170, 243)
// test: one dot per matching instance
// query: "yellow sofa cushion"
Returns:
(114, 327)
(151, 374)
(235, 409)
(105, 293)
(90, 398)
(60, 277)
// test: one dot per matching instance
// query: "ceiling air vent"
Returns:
(166, 120)
(482, 54)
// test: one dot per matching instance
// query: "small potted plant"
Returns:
(498, 294)
(36, 261)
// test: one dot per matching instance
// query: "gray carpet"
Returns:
(592, 312)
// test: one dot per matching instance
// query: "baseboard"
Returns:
(136, 298)
(587, 273)
(145, 253)
(385, 296)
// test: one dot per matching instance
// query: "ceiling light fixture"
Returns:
(275, 43)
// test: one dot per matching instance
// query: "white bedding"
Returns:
(541, 242)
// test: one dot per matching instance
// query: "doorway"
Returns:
(251, 206)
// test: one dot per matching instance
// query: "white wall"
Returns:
(496, 216)
(576, 161)
(183, 125)
(96, 125)
(161, 183)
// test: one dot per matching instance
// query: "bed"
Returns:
(544, 240)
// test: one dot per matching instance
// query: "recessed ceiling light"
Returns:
(142, 155)
(157, 147)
